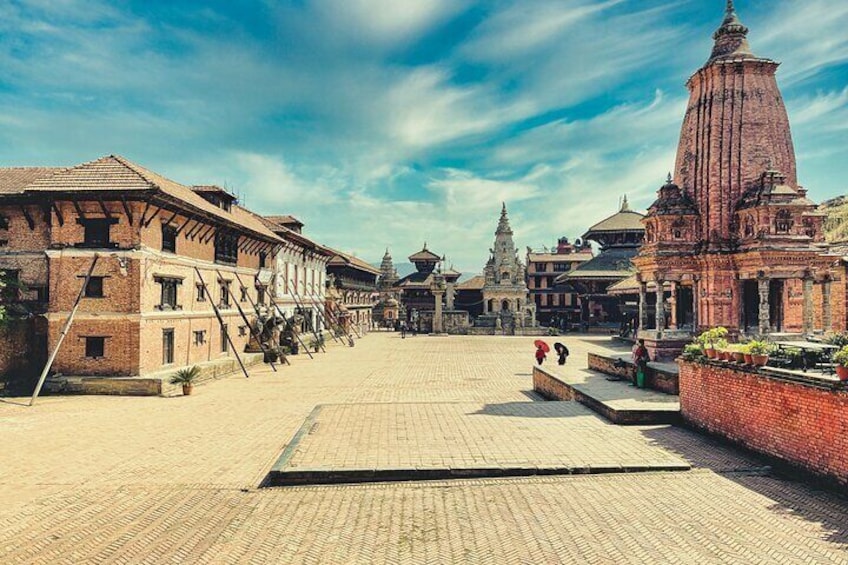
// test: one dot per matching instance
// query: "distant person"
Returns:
(403, 330)
(640, 359)
(562, 353)
(540, 355)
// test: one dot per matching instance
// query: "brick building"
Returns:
(165, 254)
(732, 239)
(557, 304)
(352, 292)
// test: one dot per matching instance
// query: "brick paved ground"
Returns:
(151, 480)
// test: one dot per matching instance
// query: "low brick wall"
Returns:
(550, 387)
(802, 424)
(655, 379)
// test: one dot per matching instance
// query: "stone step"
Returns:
(618, 401)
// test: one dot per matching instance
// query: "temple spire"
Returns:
(625, 206)
(503, 224)
(731, 38)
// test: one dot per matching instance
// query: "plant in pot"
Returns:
(186, 378)
(841, 360)
(710, 339)
(693, 352)
(746, 354)
(738, 352)
(722, 350)
(759, 352)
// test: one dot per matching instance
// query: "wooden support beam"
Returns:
(144, 213)
(152, 216)
(195, 230)
(212, 233)
(207, 231)
(103, 207)
(80, 213)
(48, 216)
(187, 222)
(127, 210)
(30, 221)
(59, 215)
(169, 220)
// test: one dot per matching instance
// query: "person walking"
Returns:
(562, 353)
(540, 354)
(640, 359)
(403, 330)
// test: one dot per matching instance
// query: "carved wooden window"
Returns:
(749, 226)
(94, 288)
(783, 222)
(678, 228)
(169, 238)
(649, 233)
(167, 346)
(95, 347)
(4, 222)
(809, 227)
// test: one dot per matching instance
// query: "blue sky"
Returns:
(394, 122)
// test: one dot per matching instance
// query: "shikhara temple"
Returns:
(732, 239)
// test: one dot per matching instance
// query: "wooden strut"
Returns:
(299, 304)
(221, 321)
(64, 333)
(259, 315)
(323, 315)
(253, 331)
(296, 334)
(127, 210)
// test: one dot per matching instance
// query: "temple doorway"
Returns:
(505, 306)
(776, 305)
(685, 316)
(750, 307)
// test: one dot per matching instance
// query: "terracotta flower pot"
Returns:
(738, 356)
(724, 355)
(711, 353)
(842, 372)
(760, 360)
(187, 389)
(749, 359)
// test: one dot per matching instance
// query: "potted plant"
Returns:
(186, 378)
(746, 354)
(722, 351)
(737, 352)
(693, 352)
(712, 338)
(841, 360)
(759, 352)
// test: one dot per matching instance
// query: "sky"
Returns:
(390, 123)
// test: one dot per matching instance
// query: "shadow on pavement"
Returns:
(535, 409)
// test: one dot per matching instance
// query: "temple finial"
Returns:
(669, 179)
(625, 206)
(730, 7)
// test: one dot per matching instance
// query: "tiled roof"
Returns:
(626, 220)
(114, 174)
(474, 283)
(211, 188)
(292, 235)
(13, 180)
(561, 257)
(424, 255)
(612, 263)
(344, 259)
(285, 220)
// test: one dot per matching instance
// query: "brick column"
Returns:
(643, 305)
(695, 289)
(660, 310)
(808, 305)
(827, 315)
(764, 312)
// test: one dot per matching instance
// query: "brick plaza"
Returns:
(176, 480)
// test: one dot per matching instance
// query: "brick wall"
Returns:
(654, 378)
(798, 423)
(550, 387)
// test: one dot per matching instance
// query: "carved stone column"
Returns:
(660, 310)
(808, 305)
(827, 314)
(672, 305)
(450, 294)
(643, 305)
(763, 285)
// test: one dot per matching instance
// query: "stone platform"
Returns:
(355, 443)
(617, 401)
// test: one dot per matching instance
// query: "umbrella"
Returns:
(560, 348)
(539, 343)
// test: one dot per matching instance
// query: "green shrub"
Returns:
(841, 356)
(840, 339)
(712, 337)
(693, 352)
(186, 376)
(760, 347)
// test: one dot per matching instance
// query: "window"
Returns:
(783, 222)
(200, 337)
(562, 267)
(11, 287)
(225, 345)
(4, 222)
(168, 292)
(168, 346)
(260, 296)
(225, 294)
(200, 292)
(42, 293)
(97, 232)
(95, 347)
(169, 238)
(4, 242)
(243, 295)
(242, 331)
(541, 267)
(226, 248)
(94, 289)
(263, 259)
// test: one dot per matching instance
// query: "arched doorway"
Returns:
(505, 306)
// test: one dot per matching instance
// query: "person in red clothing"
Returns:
(540, 354)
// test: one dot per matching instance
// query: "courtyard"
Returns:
(184, 479)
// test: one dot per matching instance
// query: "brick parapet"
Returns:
(796, 422)
(655, 379)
